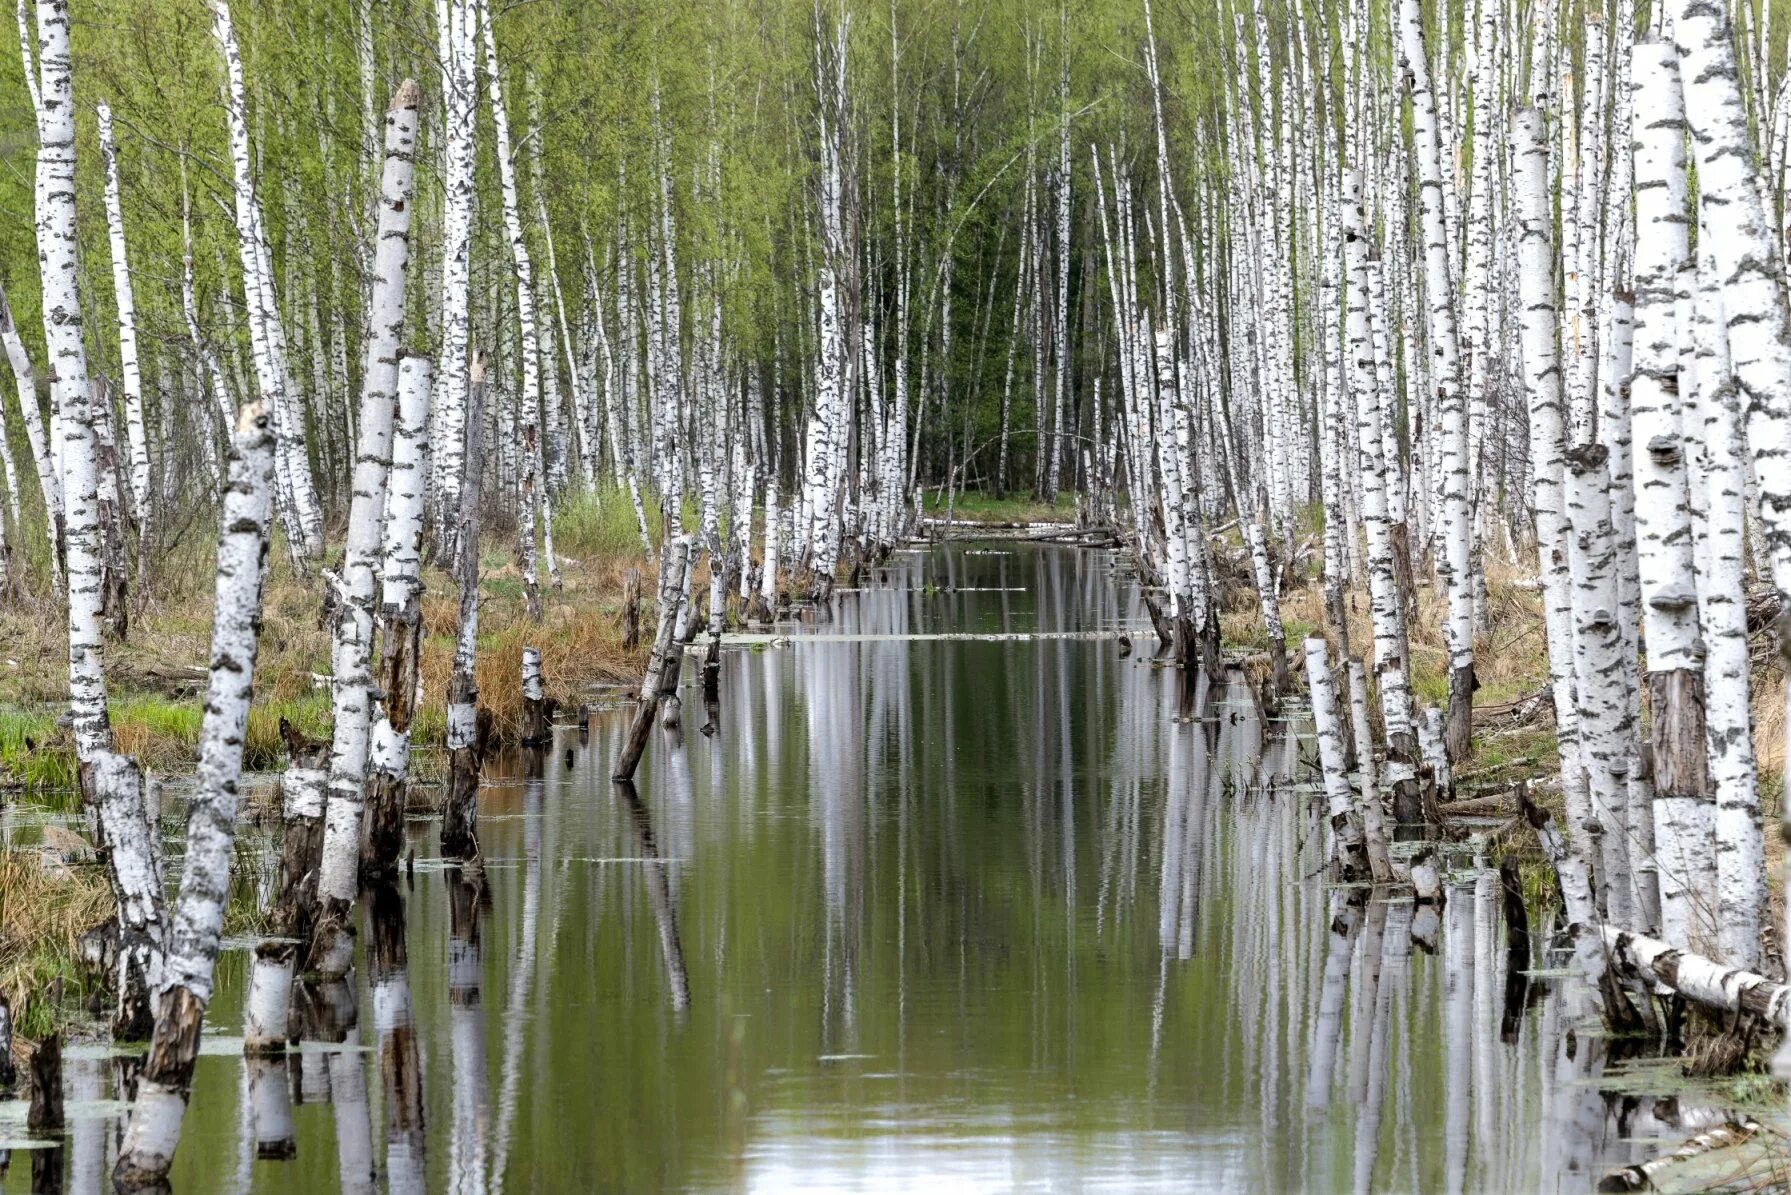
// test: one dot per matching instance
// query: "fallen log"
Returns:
(1641, 1176)
(1698, 979)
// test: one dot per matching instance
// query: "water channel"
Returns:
(921, 912)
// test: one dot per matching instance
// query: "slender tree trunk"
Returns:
(192, 948)
(352, 635)
(401, 635)
(469, 728)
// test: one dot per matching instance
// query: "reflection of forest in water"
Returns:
(978, 911)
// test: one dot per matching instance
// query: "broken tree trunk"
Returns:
(672, 570)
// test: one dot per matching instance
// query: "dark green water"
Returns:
(922, 915)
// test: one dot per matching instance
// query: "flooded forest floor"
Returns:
(51, 890)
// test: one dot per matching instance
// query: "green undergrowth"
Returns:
(975, 506)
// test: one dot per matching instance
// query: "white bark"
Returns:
(1348, 848)
(130, 370)
(533, 494)
(192, 946)
(459, 61)
(1658, 394)
(1374, 818)
(45, 453)
(300, 513)
(1457, 481)
(1712, 407)
(56, 240)
(352, 634)
(1548, 448)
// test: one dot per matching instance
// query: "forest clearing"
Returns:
(849, 594)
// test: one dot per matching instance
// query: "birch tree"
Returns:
(352, 633)
(192, 950)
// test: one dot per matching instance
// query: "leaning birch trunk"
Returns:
(673, 569)
(192, 952)
(352, 635)
(1348, 848)
(44, 452)
(131, 947)
(68, 365)
(1663, 528)
(469, 728)
(129, 370)
(401, 637)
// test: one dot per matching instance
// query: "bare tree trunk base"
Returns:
(460, 816)
(1458, 741)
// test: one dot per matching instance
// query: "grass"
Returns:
(43, 910)
(156, 674)
(976, 507)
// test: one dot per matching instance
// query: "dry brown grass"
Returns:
(43, 909)
(156, 673)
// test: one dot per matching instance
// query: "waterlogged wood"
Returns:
(1645, 1176)
(192, 945)
(1711, 984)
(673, 569)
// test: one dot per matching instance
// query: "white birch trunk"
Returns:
(352, 634)
(460, 100)
(129, 369)
(1749, 267)
(1658, 394)
(44, 451)
(1713, 418)
(192, 948)
(1348, 848)
(1548, 448)
(300, 514)
(56, 240)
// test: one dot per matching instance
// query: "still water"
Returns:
(920, 914)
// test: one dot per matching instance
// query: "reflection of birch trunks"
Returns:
(659, 896)
(467, 899)
(399, 1065)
